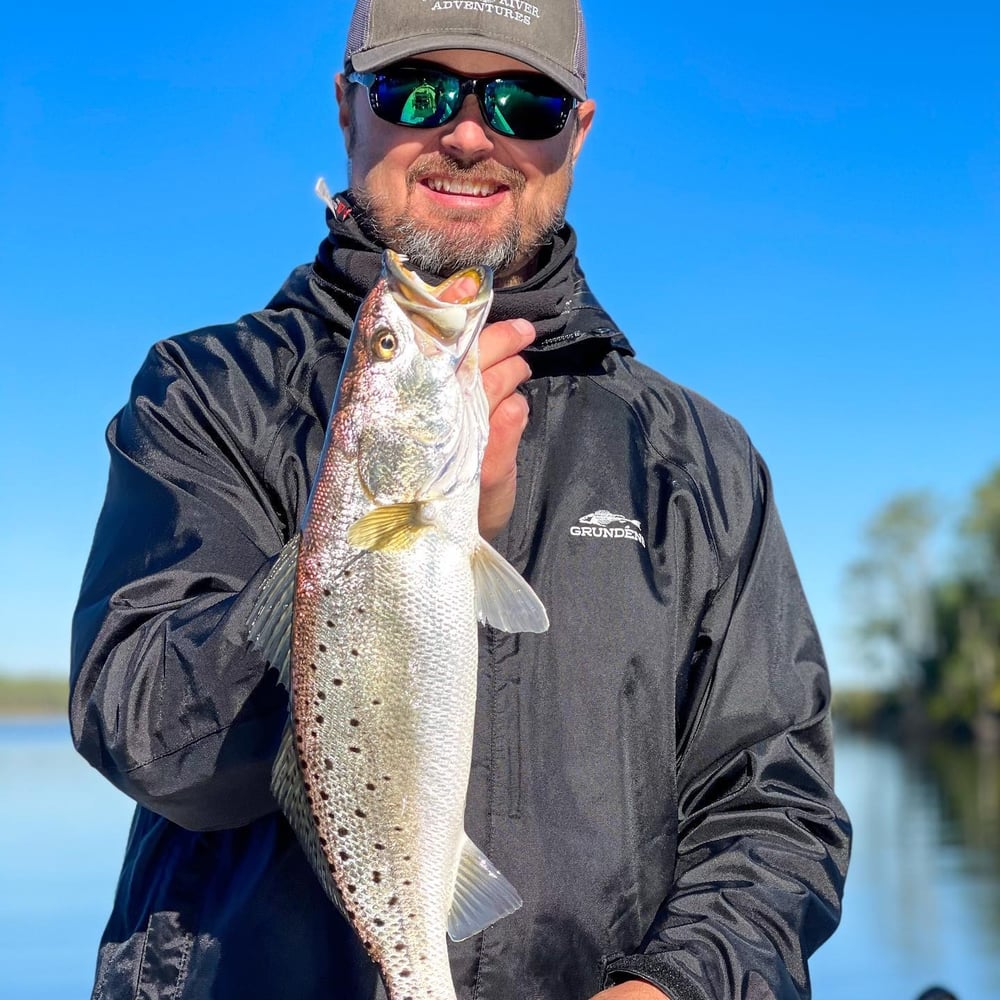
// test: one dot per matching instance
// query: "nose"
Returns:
(467, 137)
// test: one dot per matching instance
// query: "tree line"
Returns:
(928, 627)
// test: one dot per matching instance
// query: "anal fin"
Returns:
(504, 598)
(482, 895)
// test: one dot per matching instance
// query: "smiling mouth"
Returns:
(466, 188)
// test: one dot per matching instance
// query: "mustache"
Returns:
(437, 165)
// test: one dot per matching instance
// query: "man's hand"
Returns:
(633, 989)
(503, 371)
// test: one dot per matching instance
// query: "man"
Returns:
(653, 774)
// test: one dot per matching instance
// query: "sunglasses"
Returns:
(521, 105)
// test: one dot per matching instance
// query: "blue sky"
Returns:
(794, 209)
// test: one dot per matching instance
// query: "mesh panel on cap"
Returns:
(357, 34)
(580, 53)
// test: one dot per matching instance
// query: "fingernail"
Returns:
(524, 328)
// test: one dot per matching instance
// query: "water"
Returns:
(922, 905)
(61, 842)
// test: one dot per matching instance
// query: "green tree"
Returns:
(935, 637)
(970, 650)
(889, 590)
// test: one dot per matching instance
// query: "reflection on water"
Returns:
(923, 894)
(922, 905)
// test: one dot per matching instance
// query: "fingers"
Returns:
(464, 288)
(498, 479)
(503, 370)
(503, 340)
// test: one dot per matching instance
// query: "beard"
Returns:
(461, 242)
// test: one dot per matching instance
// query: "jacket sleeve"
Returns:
(167, 701)
(763, 842)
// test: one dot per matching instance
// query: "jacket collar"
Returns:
(556, 299)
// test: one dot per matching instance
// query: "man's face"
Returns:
(461, 194)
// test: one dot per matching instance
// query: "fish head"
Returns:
(411, 399)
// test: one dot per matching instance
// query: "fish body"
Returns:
(375, 610)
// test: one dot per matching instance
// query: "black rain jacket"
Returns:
(654, 774)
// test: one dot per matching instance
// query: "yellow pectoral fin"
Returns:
(388, 529)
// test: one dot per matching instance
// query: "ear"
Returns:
(584, 119)
(341, 89)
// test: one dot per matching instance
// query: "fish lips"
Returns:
(449, 327)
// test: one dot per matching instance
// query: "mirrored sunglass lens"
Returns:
(517, 111)
(421, 101)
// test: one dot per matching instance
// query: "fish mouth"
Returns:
(452, 325)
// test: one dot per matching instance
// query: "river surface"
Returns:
(922, 903)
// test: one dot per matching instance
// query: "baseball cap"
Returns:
(548, 35)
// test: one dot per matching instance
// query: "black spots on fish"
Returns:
(376, 877)
(325, 796)
(406, 881)
(338, 681)
(376, 702)
(423, 958)
(327, 592)
(407, 857)
(354, 749)
(406, 972)
(393, 900)
(378, 922)
(342, 831)
(352, 888)
(398, 829)
(344, 856)
(312, 667)
(346, 574)
(329, 624)
(354, 652)
(319, 720)
(379, 847)
(328, 764)
(400, 946)
(321, 695)
(322, 647)
(360, 813)
(299, 738)
(386, 777)
(355, 723)
(370, 786)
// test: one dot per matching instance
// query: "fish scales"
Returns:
(381, 744)
(390, 576)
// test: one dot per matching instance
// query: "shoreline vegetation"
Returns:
(927, 622)
(32, 695)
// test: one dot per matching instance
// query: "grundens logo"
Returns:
(604, 524)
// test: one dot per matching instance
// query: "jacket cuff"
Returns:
(618, 968)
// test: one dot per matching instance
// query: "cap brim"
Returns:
(383, 55)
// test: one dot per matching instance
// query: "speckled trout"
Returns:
(372, 613)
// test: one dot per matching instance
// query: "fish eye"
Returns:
(384, 344)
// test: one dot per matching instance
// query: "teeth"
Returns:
(477, 189)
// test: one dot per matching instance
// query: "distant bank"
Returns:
(32, 695)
